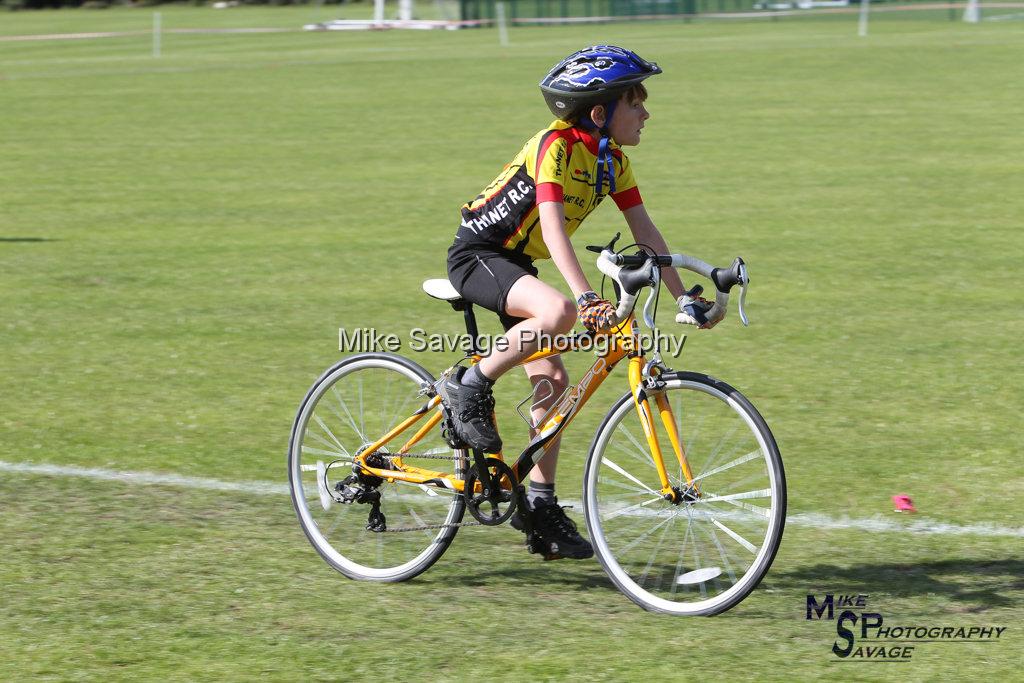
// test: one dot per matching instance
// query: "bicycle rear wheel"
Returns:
(700, 556)
(352, 405)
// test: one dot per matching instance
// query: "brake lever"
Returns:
(610, 246)
(744, 281)
(655, 282)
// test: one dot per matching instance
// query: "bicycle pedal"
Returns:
(450, 437)
(536, 546)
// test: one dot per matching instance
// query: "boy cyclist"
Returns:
(529, 212)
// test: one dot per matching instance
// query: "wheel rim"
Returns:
(348, 409)
(687, 558)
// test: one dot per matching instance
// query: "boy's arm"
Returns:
(552, 226)
(645, 232)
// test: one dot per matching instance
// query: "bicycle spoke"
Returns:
(339, 517)
(719, 447)
(627, 510)
(635, 455)
(385, 401)
(362, 423)
(735, 536)
(691, 444)
(697, 566)
(399, 414)
(645, 450)
(734, 500)
(327, 429)
(321, 440)
(645, 535)
(679, 562)
(419, 521)
(752, 455)
(618, 484)
(348, 415)
(756, 478)
(654, 553)
(430, 491)
(629, 476)
(760, 493)
(333, 455)
(721, 553)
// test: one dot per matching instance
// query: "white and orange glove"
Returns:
(694, 310)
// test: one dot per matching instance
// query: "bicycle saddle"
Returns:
(441, 288)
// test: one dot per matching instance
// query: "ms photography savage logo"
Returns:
(866, 636)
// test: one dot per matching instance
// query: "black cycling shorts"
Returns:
(484, 277)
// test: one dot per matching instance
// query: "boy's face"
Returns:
(627, 121)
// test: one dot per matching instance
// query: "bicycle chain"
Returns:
(428, 527)
(425, 527)
(392, 456)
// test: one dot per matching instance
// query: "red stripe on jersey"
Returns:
(519, 228)
(627, 199)
(549, 139)
(495, 193)
(588, 140)
(549, 192)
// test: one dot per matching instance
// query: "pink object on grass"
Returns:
(903, 503)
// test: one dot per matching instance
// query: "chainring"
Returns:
(502, 501)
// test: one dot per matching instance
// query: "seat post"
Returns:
(471, 329)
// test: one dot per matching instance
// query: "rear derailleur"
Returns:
(362, 488)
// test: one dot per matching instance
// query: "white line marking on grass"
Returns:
(129, 34)
(921, 526)
(264, 488)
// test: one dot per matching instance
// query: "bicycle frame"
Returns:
(623, 344)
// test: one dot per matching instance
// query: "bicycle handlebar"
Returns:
(632, 272)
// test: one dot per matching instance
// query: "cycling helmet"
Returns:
(595, 75)
(599, 74)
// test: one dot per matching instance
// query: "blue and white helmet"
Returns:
(594, 75)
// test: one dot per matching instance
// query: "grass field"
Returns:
(181, 239)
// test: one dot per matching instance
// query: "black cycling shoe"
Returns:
(554, 535)
(472, 411)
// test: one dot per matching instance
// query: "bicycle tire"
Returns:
(337, 428)
(739, 556)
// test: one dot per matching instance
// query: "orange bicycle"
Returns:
(684, 493)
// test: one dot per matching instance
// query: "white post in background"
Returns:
(405, 10)
(972, 13)
(378, 12)
(499, 14)
(862, 28)
(156, 34)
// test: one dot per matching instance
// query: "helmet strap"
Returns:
(605, 160)
(605, 165)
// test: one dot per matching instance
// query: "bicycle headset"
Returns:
(599, 74)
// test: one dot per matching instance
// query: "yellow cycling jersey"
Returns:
(557, 164)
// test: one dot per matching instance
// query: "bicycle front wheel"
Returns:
(350, 407)
(704, 554)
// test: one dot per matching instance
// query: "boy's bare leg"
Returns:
(545, 309)
(552, 370)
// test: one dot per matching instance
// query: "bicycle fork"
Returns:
(642, 384)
